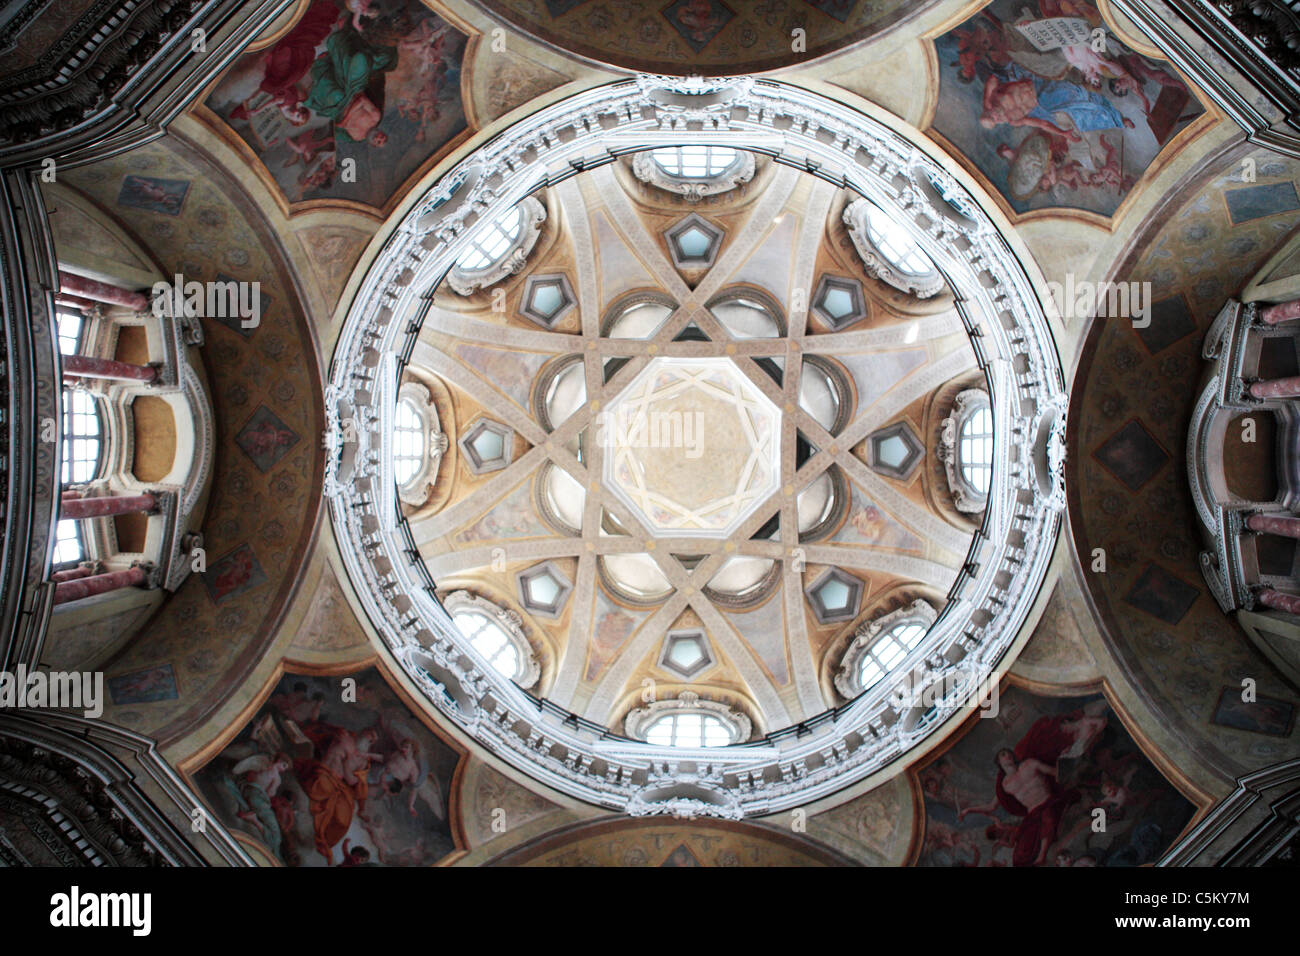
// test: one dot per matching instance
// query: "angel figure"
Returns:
(404, 768)
(253, 783)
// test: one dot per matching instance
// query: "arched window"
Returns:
(82, 452)
(694, 162)
(69, 548)
(498, 247)
(747, 315)
(895, 243)
(880, 645)
(490, 640)
(562, 499)
(560, 390)
(418, 443)
(824, 393)
(408, 442)
(491, 242)
(688, 721)
(888, 250)
(82, 437)
(496, 634)
(637, 315)
(890, 648)
(688, 730)
(71, 326)
(694, 171)
(975, 449)
(966, 450)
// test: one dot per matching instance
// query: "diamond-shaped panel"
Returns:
(692, 446)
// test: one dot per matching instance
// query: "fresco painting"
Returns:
(327, 777)
(1052, 107)
(351, 101)
(1022, 789)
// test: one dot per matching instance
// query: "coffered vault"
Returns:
(780, 374)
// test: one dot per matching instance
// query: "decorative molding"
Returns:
(866, 634)
(878, 264)
(510, 622)
(968, 500)
(415, 492)
(531, 216)
(119, 74)
(1242, 53)
(638, 721)
(694, 188)
(987, 604)
(1256, 825)
(93, 773)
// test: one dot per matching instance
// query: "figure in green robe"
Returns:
(347, 85)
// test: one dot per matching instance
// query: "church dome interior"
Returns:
(504, 433)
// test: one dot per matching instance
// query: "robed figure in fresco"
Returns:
(1029, 786)
(347, 85)
(336, 784)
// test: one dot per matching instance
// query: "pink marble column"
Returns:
(74, 301)
(66, 591)
(86, 366)
(1286, 526)
(1279, 601)
(1280, 312)
(72, 574)
(102, 292)
(105, 507)
(1276, 388)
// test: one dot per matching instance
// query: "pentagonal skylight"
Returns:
(488, 446)
(895, 451)
(692, 446)
(839, 302)
(686, 653)
(694, 242)
(547, 299)
(543, 589)
(835, 596)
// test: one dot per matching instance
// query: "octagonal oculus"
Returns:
(691, 446)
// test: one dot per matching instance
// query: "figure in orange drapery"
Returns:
(336, 785)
